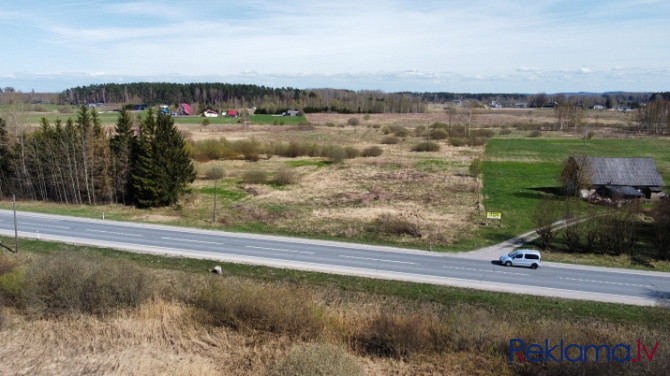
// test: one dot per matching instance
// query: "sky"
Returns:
(474, 46)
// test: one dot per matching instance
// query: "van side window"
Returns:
(532, 257)
(518, 256)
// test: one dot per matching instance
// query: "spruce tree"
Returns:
(173, 168)
(121, 145)
(145, 189)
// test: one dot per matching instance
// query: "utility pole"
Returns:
(16, 231)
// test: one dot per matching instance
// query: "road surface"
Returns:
(557, 280)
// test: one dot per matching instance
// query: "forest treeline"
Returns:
(266, 100)
(145, 162)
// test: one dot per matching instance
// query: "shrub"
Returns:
(420, 130)
(69, 283)
(254, 177)
(215, 173)
(389, 335)
(258, 308)
(399, 131)
(12, 280)
(439, 126)
(286, 176)
(337, 154)
(386, 129)
(353, 121)
(250, 149)
(426, 146)
(205, 121)
(458, 141)
(395, 225)
(484, 133)
(390, 140)
(372, 151)
(535, 133)
(317, 359)
(505, 132)
(438, 134)
(351, 152)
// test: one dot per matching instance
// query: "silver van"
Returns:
(522, 257)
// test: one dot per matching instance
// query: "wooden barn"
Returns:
(623, 178)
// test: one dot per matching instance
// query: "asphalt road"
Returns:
(576, 282)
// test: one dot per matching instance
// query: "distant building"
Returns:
(623, 177)
(184, 109)
(495, 104)
(599, 107)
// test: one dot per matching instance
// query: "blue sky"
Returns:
(400, 45)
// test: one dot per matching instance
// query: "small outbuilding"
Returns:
(622, 178)
(232, 113)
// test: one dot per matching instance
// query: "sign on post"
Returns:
(493, 215)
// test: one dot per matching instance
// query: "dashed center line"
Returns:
(603, 282)
(376, 259)
(191, 240)
(482, 270)
(48, 226)
(281, 250)
(114, 233)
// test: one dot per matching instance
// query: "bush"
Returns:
(250, 149)
(458, 141)
(69, 283)
(426, 146)
(286, 176)
(337, 154)
(536, 133)
(372, 151)
(12, 280)
(259, 308)
(390, 140)
(351, 152)
(317, 359)
(484, 133)
(399, 131)
(439, 126)
(395, 225)
(205, 121)
(420, 131)
(353, 121)
(397, 336)
(386, 129)
(254, 177)
(505, 132)
(438, 134)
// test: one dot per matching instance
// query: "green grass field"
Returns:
(515, 170)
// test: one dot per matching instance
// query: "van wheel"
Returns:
(534, 266)
(508, 263)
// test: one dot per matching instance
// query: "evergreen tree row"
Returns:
(143, 164)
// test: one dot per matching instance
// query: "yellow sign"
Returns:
(493, 215)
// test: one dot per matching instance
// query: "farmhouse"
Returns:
(184, 109)
(622, 178)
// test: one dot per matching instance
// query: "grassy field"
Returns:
(381, 327)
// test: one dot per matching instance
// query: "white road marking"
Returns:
(191, 241)
(376, 259)
(482, 270)
(603, 282)
(41, 225)
(114, 233)
(281, 250)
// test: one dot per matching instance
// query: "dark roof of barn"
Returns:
(636, 172)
